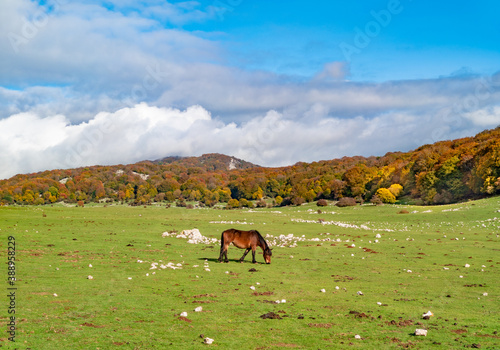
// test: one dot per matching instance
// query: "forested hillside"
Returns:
(444, 172)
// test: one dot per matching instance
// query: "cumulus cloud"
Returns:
(34, 143)
(487, 117)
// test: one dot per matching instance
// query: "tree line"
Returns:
(440, 173)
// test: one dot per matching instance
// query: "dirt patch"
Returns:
(182, 318)
(86, 324)
(474, 285)
(205, 296)
(339, 278)
(358, 314)
(203, 301)
(262, 293)
(279, 345)
(268, 301)
(400, 323)
(252, 270)
(459, 331)
(368, 250)
(270, 315)
(320, 325)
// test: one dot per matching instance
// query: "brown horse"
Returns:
(244, 240)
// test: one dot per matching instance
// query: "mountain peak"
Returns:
(210, 162)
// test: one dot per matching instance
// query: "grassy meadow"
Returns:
(441, 259)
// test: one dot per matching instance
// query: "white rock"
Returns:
(90, 265)
(277, 301)
(421, 332)
(184, 314)
(357, 336)
(485, 294)
(378, 235)
(337, 287)
(467, 265)
(130, 278)
(284, 300)
(54, 294)
(323, 291)
(360, 293)
(198, 309)
(208, 340)
(252, 287)
(379, 303)
(428, 314)
(409, 271)
(90, 277)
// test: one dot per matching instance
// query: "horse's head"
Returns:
(267, 255)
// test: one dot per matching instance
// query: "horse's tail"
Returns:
(222, 239)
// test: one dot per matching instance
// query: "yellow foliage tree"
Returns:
(396, 189)
(386, 196)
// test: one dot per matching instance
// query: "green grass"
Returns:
(55, 246)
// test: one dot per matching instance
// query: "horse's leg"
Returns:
(244, 254)
(253, 256)
(225, 253)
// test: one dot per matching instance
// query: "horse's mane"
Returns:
(261, 239)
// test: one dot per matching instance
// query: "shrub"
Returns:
(385, 195)
(396, 189)
(233, 203)
(376, 200)
(322, 203)
(261, 203)
(346, 202)
(298, 201)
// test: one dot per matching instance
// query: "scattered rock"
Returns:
(427, 315)
(184, 314)
(208, 341)
(198, 309)
(422, 332)
(90, 277)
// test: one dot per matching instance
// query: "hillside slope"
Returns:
(443, 172)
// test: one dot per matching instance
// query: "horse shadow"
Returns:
(216, 260)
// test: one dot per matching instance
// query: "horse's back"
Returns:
(241, 239)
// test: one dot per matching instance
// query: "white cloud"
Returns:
(334, 71)
(145, 132)
(487, 117)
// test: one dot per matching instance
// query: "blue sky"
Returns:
(93, 82)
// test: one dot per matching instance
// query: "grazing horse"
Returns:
(244, 240)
